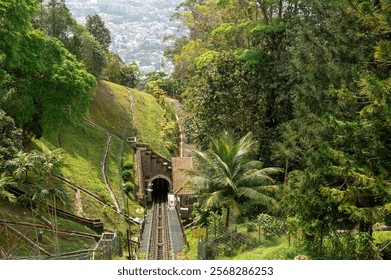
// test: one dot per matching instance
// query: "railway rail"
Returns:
(159, 242)
(95, 224)
(96, 237)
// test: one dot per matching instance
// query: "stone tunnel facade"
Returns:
(154, 175)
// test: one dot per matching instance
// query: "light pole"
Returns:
(149, 192)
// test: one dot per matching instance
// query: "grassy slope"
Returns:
(17, 213)
(83, 147)
(272, 248)
(147, 121)
(110, 108)
(277, 249)
(84, 144)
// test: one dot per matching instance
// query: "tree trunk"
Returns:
(365, 227)
(280, 7)
(286, 170)
(227, 217)
(264, 10)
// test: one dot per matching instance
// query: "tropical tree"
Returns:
(6, 181)
(92, 54)
(96, 26)
(34, 174)
(119, 72)
(48, 164)
(10, 138)
(44, 84)
(21, 166)
(227, 174)
(59, 20)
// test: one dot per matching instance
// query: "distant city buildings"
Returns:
(137, 28)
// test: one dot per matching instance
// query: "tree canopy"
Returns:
(227, 173)
(97, 28)
(311, 80)
(44, 84)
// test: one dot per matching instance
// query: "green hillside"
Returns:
(83, 145)
(148, 120)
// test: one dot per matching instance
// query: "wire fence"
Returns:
(16, 245)
(13, 245)
(108, 247)
(223, 242)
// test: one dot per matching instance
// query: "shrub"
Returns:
(364, 249)
(128, 165)
(128, 187)
(127, 175)
(251, 227)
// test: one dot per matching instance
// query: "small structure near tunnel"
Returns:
(183, 193)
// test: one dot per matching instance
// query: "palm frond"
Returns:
(227, 182)
(6, 181)
(199, 184)
(255, 195)
(213, 200)
(222, 166)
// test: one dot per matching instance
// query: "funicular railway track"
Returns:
(160, 245)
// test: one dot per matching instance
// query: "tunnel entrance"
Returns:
(160, 187)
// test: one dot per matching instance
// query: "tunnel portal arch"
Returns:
(158, 188)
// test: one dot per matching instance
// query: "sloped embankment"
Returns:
(84, 149)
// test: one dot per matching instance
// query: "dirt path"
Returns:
(104, 173)
(76, 187)
(117, 207)
(185, 148)
(104, 163)
(133, 112)
(79, 204)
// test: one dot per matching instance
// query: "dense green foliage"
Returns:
(119, 72)
(311, 80)
(43, 85)
(46, 88)
(10, 140)
(55, 19)
(227, 175)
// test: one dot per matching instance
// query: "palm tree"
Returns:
(21, 166)
(49, 163)
(4, 182)
(227, 173)
(34, 172)
(24, 168)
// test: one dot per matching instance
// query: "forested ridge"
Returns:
(311, 81)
